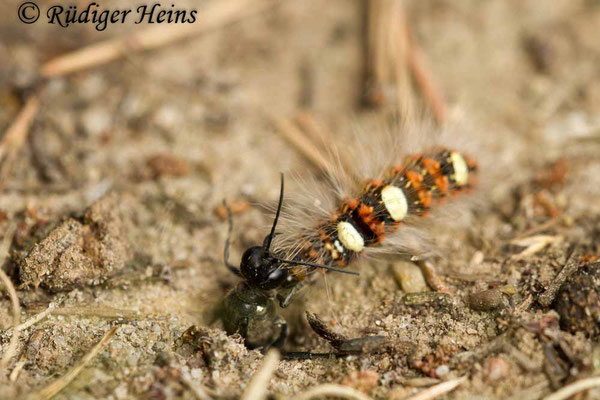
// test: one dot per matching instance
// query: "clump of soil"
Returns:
(79, 251)
(578, 302)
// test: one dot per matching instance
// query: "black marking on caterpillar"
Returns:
(409, 189)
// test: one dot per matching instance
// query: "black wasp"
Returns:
(250, 308)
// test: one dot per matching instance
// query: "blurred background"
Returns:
(166, 120)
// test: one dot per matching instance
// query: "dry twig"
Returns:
(524, 304)
(523, 360)
(425, 82)
(199, 391)
(296, 138)
(257, 388)
(439, 390)
(533, 392)
(322, 137)
(387, 51)
(16, 333)
(99, 311)
(59, 384)
(15, 137)
(574, 388)
(432, 278)
(539, 228)
(329, 389)
(14, 340)
(534, 244)
(392, 55)
(317, 132)
(40, 316)
(546, 298)
(18, 367)
(216, 15)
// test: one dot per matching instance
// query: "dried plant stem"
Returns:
(524, 305)
(324, 138)
(392, 56)
(16, 333)
(329, 389)
(375, 56)
(397, 37)
(314, 130)
(257, 388)
(38, 317)
(18, 367)
(96, 311)
(15, 137)
(546, 298)
(432, 277)
(424, 80)
(199, 391)
(534, 244)
(438, 390)
(387, 67)
(533, 392)
(216, 15)
(59, 384)
(523, 360)
(10, 288)
(574, 388)
(542, 227)
(296, 138)
(99, 311)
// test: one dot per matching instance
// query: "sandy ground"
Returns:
(153, 143)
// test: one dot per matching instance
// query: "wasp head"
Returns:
(260, 269)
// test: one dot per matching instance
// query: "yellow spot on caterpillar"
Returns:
(350, 237)
(461, 171)
(395, 202)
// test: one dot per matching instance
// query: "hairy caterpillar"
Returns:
(284, 263)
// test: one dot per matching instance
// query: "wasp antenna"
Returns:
(310, 264)
(232, 268)
(269, 238)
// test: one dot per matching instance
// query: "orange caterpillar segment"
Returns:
(410, 189)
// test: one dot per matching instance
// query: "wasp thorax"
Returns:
(261, 269)
(251, 313)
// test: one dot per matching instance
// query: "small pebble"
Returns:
(487, 300)
(442, 371)
(496, 368)
(166, 165)
(409, 276)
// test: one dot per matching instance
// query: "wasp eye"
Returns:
(260, 270)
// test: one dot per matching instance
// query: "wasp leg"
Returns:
(292, 355)
(344, 345)
(280, 341)
(348, 347)
(307, 355)
(286, 300)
